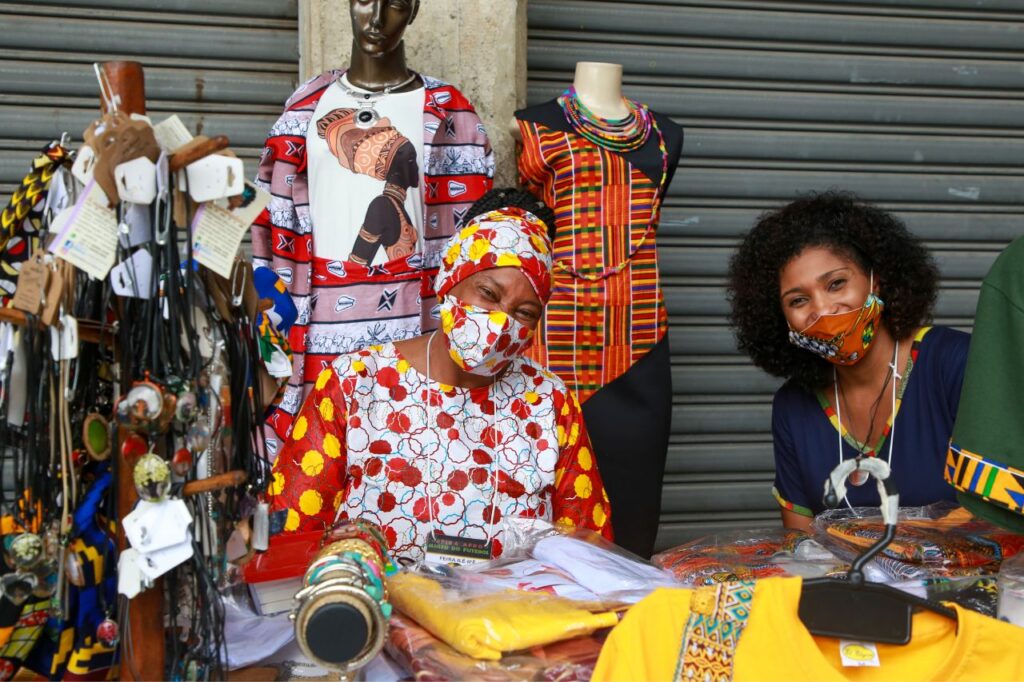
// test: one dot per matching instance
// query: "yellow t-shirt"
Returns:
(774, 644)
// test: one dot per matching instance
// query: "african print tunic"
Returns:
(344, 305)
(606, 309)
(368, 443)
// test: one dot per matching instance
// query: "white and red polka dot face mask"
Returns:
(482, 341)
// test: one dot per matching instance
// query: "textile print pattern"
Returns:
(344, 306)
(363, 445)
(22, 217)
(717, 617)
(593, 331)
(993, 482)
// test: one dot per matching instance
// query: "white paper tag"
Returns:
(133, 277)
(140, 226)
(153, 526)
(215, 177)
(217, 229)
(129, 580)
(17, 390)
(88, 238)
(858, 654)
(171, 134)
(85, 163)
(64, 341)
(155, 564)
(136, 180)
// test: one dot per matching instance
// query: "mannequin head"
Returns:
(378, 25)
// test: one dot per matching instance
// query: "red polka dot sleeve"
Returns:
(579, 499)
(309, 476)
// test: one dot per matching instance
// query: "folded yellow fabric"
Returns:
(485, 626)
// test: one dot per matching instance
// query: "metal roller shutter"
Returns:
(915, 104)
(224, 67)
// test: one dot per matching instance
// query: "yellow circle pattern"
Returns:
(327, 409)
(323, 378)
(599, 516)
(299, 430)
(312, 463)
(332, 446)
(276, 484)
(583, 486)
(291, 522)
(585, 460)
(310, 502)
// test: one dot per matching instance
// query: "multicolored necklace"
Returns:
(625, 134)
(583, 123)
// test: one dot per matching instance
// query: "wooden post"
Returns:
(146, 656)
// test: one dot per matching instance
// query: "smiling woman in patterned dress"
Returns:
(448, 433)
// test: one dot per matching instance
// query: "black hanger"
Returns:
(853, 608)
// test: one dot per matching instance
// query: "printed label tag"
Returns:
(858, 654)
(456, 551)
(171, 134)
(88, 239)
(218, 228)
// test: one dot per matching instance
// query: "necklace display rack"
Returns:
(143, 639)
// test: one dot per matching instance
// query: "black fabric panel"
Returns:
(628, 421)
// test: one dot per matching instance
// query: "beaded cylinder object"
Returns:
(342, 611)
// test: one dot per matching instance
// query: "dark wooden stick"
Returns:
(228, 479)
(127, 83)
(196, 149)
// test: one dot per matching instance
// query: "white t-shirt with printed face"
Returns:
(350, 161)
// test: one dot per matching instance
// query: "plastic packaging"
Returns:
(1011, 590)
(748, 555)
(937, 541)
(570, 562)
(426, 657)
(484, 624)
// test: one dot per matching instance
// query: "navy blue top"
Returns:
(807, 444)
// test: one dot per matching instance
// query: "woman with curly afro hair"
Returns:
(833, 294)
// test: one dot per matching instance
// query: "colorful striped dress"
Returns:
(606, 309)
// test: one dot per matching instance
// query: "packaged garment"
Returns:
(486, 625)
(747, 630)
(426, 657)
(936, 541)
(571, 562)
(748, 554)
(1011, 590)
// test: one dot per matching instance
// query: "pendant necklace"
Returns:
(367, 116)
(860, 477)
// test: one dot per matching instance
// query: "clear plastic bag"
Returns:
(940, 540)
(748, 555)
(571, 562)
(1011, 590)
(486, 623)
(426, 657)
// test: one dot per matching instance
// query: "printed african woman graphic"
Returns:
(380, 152)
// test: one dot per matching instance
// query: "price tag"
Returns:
(154, 526)
(155, 564)
(32, 280)
(136, 180)
(858, 654)
(215, 177)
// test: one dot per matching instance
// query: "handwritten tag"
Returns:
(858, 654)
(218, 228)
(32, 280)
(88, 239)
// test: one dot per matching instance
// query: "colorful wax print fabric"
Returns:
(376, 440)
(606, 310)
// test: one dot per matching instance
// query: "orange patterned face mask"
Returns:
(842, 338)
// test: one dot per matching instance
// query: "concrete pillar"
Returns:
(477, 45)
